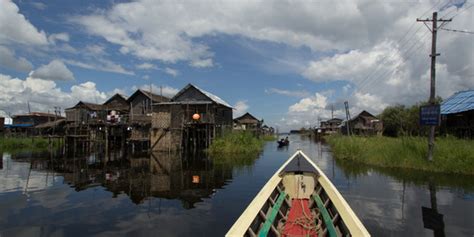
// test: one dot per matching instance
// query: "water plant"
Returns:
(451, 155)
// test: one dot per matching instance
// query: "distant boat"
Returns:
(283, 143)
(298, 200)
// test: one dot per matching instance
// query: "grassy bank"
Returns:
(269, 138)
(451, 155)
(27, 143)
(237, 142)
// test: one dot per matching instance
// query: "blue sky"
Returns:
(285, 62)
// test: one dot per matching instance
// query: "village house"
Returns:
(85, 113)
(266, 130)
(457, 114)
(53, 128)
(248, 122)
(190, 120)
(364, 124)
(117, 109)
(34, 118)
(7, 119)
(141, 105)
(141, 108)
(330, 126)
(24, 124)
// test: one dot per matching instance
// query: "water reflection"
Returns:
(169, 195)
(401, 202)
(161, 175)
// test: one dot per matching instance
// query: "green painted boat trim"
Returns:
(268, 223)
(327, 219)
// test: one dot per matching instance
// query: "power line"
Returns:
(401, 43)
(371, 78)
(458, 31)
(407, 53)
(459, 12)
(367, 81)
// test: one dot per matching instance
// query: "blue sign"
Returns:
(430, 115)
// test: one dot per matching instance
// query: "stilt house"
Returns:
(365, 124)
(248, 122)
(330, 126)
(84, 113)
(117, 108)
(141, 108)
(458, 114)
(191, 120)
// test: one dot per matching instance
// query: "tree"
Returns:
(399, 120)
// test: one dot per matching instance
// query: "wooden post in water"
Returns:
(106, 141)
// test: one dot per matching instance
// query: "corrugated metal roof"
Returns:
(209, 95)
(213, 97)
(459, 102)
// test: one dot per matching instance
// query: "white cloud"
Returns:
(87, 91)
(202, 63)
(146, 66)
(39, 5)
(318, 101)
(53, 38)
(43, 95)
(359, 37)
(367, 100)
(295, 93)
(240, 108)
(293, 23)
(171, 71)
(101, 64)
(354, 65)
(393, 72)
(149, 66)
(9, 60)
(16, 28)
(146, 77)
(95, 50)
(55, 71)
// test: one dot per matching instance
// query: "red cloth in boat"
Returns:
(296, 217)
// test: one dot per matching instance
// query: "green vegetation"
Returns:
(451, 155)
(27, 143)
(409, 176)
(400, 120)
(237, 142)
(234, 160)
(268, 138)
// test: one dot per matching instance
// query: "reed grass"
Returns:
(237, 142)
(25, 143)
(268, 138)
(451, 155)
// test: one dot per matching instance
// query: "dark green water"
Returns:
(165, 195)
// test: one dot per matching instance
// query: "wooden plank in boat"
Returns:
(326, 217)
(269, 222)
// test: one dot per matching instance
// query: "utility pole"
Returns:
(434, 31)
(332, 111)
(348, 117)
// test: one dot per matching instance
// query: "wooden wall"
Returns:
(140, 105)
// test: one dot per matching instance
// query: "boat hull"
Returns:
(269, 214)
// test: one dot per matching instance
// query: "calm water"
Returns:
(163, 195)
